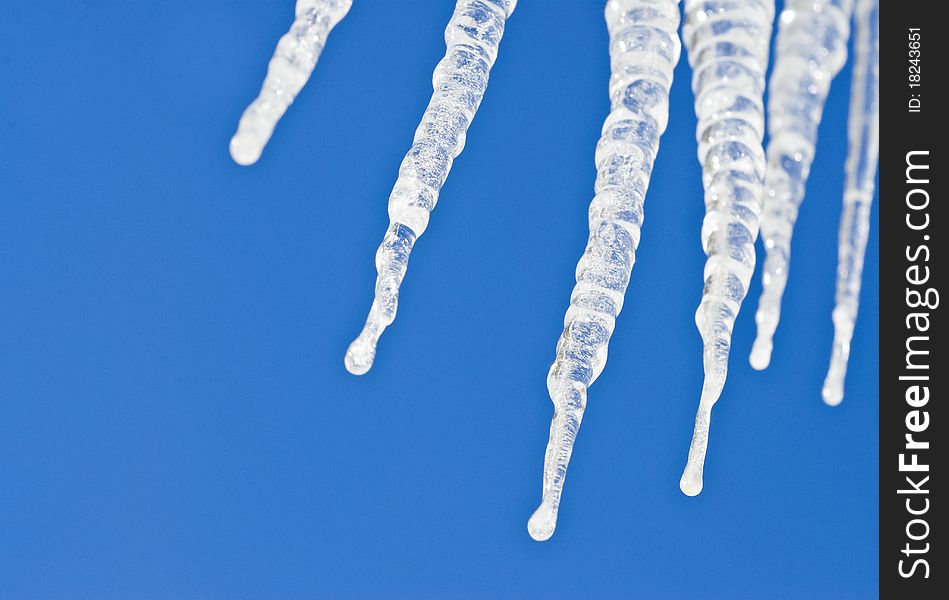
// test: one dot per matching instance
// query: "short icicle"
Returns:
(727, 43)
(862, 157)
(644, 49)
(289, 70)
(460, 81)
(810, 50)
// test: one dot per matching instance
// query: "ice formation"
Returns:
(460, 80)
(862, 155)
(289, 69)
(644, 49)
(810, 50)
(727, 43)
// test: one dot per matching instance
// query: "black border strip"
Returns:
(910, 123)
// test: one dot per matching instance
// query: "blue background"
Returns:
(175, 419)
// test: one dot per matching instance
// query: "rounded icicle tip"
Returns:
(691, 483)
(359, 357)
(833, 390)
(761, 354)
(543, 522)
(243, 151)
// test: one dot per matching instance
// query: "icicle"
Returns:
(644, 49)
(727, 42)
(460, 80)
(290, 68)
(811, 49)
(862, 155)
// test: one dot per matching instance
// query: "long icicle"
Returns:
(460, 80)
(644, 49)
(811, 49)
(289, 70)
(727, 42)
(862, 156)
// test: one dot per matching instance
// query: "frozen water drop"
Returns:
(359, 357)
(245, 151)
(543, 522)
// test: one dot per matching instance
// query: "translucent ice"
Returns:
(862, 155)
(644, 49)
(810, 50)
(727, 43)
(460, 80)
(290, 68)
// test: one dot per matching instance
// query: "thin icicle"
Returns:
(460, 80)
(862, 155)
(289, 69)
(727, 42)
(644, 49)
(811, 49)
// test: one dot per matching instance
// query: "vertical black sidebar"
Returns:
(913, 367)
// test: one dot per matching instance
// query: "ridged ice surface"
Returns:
(727, 43)
(460, 80)
(811, 49)
(862, 156)
(644, 49)
(289, 69)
